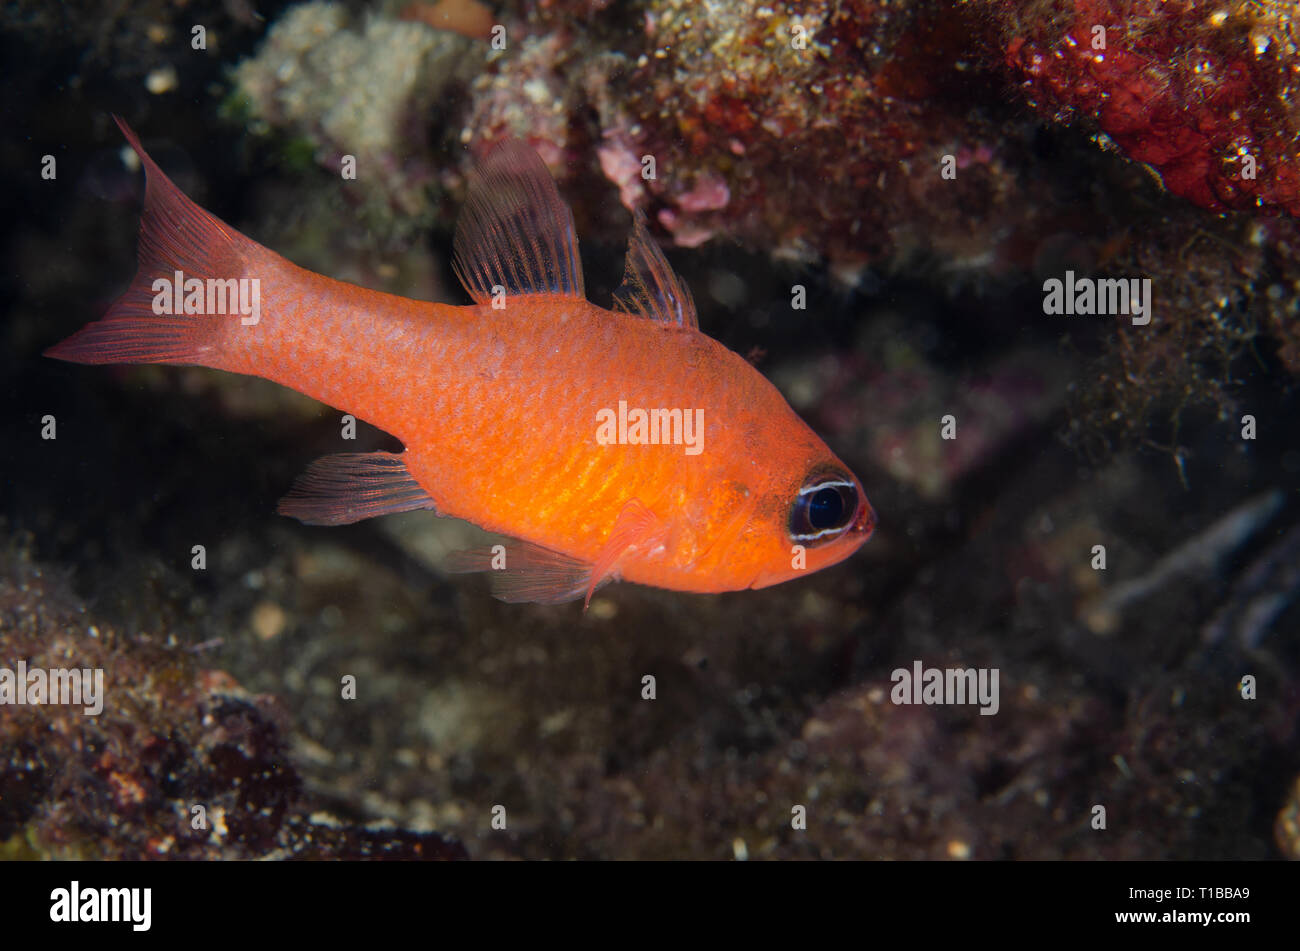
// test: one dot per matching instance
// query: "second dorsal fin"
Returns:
(650, 289)
(515, 231)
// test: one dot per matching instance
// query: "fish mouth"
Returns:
(864, 521)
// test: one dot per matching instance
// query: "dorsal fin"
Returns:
(515, 231)
(650, 289)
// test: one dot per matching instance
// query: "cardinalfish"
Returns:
(529, 412)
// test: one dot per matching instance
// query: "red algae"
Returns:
(1206, 94)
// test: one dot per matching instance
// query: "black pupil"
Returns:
(826, 509)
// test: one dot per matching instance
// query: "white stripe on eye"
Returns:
(824, 531)
(807, 490)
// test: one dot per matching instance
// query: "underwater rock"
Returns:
(732, 102)
(179, 762)
(365, 90)
(1206, 94)
(705, 118)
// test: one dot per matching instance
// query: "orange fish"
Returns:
(608, 444)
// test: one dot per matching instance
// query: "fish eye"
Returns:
(824, 507)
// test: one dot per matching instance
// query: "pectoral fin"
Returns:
(635, 528)
(350, 486)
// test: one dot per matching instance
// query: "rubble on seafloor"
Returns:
(181, 762)
(769, 702)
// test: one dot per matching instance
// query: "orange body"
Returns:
(499, 407)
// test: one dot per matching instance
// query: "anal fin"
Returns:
(350, 486)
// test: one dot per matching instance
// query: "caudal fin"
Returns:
(178, 239)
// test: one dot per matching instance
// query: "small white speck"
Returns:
(161, 80)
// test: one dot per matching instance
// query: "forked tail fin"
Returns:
(179, 243)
